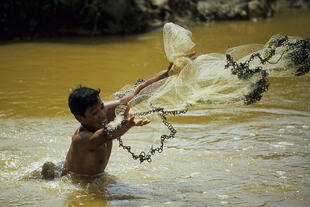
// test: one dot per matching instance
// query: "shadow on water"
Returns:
(87, 40)
(75, 190)
(102, 190)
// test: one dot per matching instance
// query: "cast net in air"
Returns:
(238, 77)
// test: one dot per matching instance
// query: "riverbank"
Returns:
(29, 20)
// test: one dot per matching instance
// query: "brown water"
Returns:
(257, 155)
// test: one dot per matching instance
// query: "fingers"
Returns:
(169, 68)
(145, 122)
(170, 65)
(142, 122)
(139, 123)
(126, 113)
(131, 119)
(192, 55)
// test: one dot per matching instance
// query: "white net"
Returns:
(214, 80)
(177, 41)
(217, 79)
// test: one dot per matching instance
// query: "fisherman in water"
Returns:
(91, 143)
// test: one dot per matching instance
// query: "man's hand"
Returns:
(169, 68)
(131, 118)
(129, 97)
(192, 55)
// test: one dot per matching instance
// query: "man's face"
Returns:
(95, 116)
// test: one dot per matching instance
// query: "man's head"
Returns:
(87, 107)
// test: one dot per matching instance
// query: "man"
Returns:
(91, 144)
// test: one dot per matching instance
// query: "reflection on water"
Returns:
(257, 155)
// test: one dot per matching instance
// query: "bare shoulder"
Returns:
(110, 105)
(110, 108)
(81, 137)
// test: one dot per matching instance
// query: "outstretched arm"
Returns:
(128, 97)
(110, 106)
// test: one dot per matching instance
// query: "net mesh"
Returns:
(212, 80)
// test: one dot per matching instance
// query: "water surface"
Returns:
(257, 155)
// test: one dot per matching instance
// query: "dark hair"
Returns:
(81, 98)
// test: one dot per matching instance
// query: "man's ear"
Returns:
(80, 118)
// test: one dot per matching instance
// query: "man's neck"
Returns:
(85, 128)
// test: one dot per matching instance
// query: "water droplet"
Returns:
(281, 173)
(223, 196)
(290, 127)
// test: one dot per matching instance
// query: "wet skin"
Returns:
(91, 145)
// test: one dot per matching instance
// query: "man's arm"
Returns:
(110, 105)
(128, 97)
(103, 135)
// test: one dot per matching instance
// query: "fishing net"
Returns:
(238, 77)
